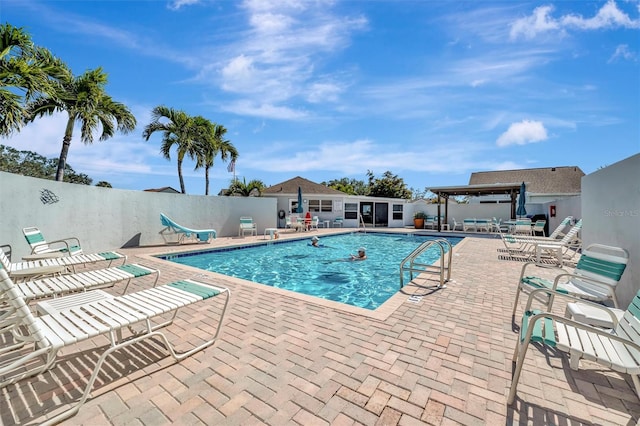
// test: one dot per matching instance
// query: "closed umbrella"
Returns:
(521, 211)
(299, 209)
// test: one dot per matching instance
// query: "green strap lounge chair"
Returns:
(125, 320)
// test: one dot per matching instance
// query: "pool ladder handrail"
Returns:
(361, 222)
(422, 267)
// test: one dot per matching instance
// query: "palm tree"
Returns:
(24, 68)
(226, 148)
(245, 189)
(211, 145)
(206, 150)
(86, 102)
(178, 130)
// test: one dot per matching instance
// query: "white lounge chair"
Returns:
(88, 280)
(529, 246)
(171, 228)
(315, 222)
(617, 349)
(247, 225)
(45, 335)
(56, 265)
(594, 278)
(40, 248)
(457, 225)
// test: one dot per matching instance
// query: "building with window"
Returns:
(544, 184)
(331, 205)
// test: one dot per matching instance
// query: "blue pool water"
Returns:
(323, 271)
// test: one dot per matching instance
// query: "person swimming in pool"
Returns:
(360, 256)
(315, 241)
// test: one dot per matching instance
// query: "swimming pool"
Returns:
(323, 271)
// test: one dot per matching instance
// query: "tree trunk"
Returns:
(182, 189)
(66, 143)
(206, 180)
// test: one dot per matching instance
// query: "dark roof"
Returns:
(308, 187)
(477, 190)
(164, 189)
(545, 180)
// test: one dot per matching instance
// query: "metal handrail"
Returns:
(444, 270)
(362, 222)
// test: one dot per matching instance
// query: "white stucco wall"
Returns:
(570, 206)
(106, 219)
(611, 216)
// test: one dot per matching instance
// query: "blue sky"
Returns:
(429, 90)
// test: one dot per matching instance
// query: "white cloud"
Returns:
(323, 92)
(523, 133)
(609, 16)
(264, 110)
(353, 157)
(541, 21)
(538, 22)
(177, 4)
(622, 51)
(280, 54)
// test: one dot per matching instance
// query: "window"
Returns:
(350, 210)
(320, 206)
(314, 205)
(397, 211)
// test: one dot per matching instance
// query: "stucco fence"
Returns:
(107, 219)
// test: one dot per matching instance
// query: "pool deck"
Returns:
(442, 358)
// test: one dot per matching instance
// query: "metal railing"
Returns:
(409, 263)
(361, 222)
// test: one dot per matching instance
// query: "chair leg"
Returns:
(518, 356)
(515, 303)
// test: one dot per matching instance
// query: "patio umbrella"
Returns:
(521, 211)
(299, 209)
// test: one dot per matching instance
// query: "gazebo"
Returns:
(511, 189)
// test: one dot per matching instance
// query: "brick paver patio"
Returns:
(285, 358)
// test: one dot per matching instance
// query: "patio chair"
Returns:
(338, 221)
(538, 226)
(45, 335)
(594, 278)
(57, 265)
(495, 224)
(469, 224)
(247, 225)
(457, 224)
(617, 349)
(182, 232)
(484, 225)
(315, 222)
(523, 226)
(40, 248)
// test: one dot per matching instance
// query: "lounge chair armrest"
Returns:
(581, 278)
(40, 256)
(64, 244)
(614, 318)
(589, 328)
(38, 271)
(539, 265)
